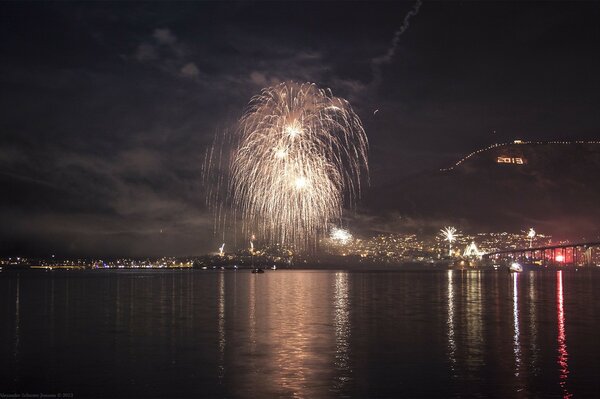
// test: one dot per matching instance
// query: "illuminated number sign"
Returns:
(516, 161)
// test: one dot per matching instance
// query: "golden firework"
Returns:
(298, 157)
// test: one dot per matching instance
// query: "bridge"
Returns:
(560, 254)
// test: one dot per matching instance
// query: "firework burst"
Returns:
(449, 234)
(531, 235)
(299, 155)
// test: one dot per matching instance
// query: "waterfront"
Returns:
(286, 333)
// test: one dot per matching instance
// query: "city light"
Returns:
(471, 250)
(389, 248)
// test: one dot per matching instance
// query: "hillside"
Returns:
(553, 186)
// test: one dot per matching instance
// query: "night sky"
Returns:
(106, 109)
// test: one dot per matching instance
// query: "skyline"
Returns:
(108, 108)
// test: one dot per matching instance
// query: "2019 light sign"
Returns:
(511, 160)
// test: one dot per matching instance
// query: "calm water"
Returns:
(300, 334)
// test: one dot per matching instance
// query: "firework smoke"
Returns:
(298, 156)
(387, 57)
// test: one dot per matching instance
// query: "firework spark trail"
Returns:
(299, 154)
(449, 234)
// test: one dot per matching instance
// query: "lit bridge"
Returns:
(562, 254)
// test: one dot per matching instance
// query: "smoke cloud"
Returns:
(377, 62)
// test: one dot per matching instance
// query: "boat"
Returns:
(274, 267)
(515, 268)
(257, 270)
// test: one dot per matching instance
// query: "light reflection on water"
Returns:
(221, 327)
(533, 324)
(474, 324)
(563, 354)
(450, 324)
(517, 333)
(299, 333)
(342, 330)
(17, 323)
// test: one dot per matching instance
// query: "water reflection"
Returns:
(252, 312)
(298, 332)
(474, 313)
(533, 323)
(516, 331)
(342, 329)
(221, 327)
(17, 321)
(450, 323)
(297, 342)
(563, 355)
(301, 334)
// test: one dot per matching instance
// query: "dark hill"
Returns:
(552, 186)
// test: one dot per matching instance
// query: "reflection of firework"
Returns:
(297, 156)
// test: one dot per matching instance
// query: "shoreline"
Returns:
(402, 267)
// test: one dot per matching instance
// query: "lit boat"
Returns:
(257, 270)
(515, 268)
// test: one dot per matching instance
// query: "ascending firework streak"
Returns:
(299, 154)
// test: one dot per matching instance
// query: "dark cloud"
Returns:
(165, 36)
(190, 70)
(146, 52)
